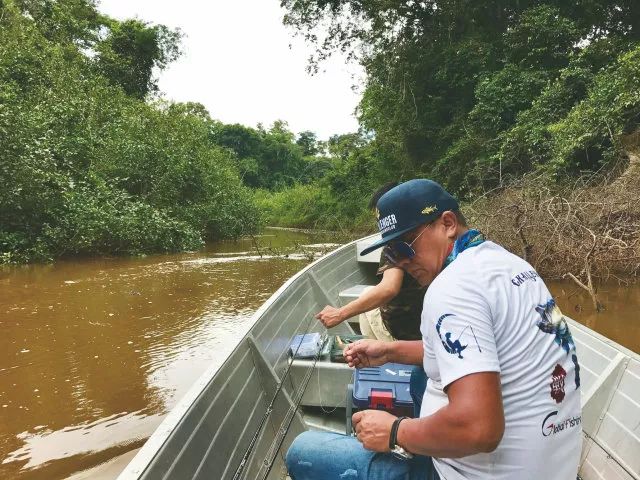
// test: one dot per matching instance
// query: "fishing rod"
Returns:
(282, 431)
(267, 413)
(474, 336)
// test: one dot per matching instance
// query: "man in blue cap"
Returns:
(502, 400)
(389, 310)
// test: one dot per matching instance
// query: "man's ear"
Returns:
(450, 223)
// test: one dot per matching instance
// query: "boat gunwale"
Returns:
(145, 457)
(138, 465)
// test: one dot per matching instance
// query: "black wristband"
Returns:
(393, 435)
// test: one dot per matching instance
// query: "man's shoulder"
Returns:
(488, 257)
(474, 269)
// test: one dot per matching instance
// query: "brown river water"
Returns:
(94, 353)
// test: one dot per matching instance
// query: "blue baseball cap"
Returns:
(409, 205)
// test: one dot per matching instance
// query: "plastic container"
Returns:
(306, 345)
(384, 388)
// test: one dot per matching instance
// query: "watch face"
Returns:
(401, 453)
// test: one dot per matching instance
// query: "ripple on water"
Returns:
(125, 339)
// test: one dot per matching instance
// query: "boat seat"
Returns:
(348, 295)
(351, 293)
(371, 257)
(327, 383)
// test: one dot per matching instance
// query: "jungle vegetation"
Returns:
(476, 94)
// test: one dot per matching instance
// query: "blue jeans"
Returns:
(328, 456)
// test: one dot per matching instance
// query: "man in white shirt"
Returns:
(502, 400)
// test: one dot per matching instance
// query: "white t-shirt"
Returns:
(489, 311)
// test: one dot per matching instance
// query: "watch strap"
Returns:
(393, 435)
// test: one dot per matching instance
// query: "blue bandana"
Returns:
(471, 238)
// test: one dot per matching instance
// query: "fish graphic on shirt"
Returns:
(552, 321)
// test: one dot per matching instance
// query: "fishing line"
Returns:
(631, 474)
(282, 431)
(474, 336)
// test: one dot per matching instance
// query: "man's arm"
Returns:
(372, 298)
(472, 422)
(371, 353)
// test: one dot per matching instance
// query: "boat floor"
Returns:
(325, 419)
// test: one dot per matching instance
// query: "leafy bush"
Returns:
(589, 136)
(88, 169)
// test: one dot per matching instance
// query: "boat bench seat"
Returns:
(348, 295)
(351, 293)
(371, 257)
(327, 384)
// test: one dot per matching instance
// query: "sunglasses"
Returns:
(399, 251)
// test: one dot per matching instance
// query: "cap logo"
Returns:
(429, 209)
(387, 223)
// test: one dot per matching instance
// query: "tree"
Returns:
(132, 50)
(266, 158)
(88, 169)
(63, 21)
(445, 78)
(308, 142)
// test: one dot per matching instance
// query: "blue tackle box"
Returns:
(384, 388)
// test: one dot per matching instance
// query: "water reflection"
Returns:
(94, 353)
(619, 321)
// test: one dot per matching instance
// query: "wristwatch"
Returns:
(396, 450)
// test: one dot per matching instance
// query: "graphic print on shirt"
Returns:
(553, 322)
(454, 347)
(557, 383)
(574, 359)
(551, 426)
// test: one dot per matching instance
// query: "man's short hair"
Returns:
(461, 218)
(381, 191)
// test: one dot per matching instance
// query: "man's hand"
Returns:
(366, 353)
(373, 428)
(330, 316)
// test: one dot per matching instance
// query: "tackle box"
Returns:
(307, 345)
(384, 388)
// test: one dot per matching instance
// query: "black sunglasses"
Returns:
(400, 250)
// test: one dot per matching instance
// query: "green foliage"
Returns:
(586, 139)
(62, 21)
(97, 219)
(470, 93)
(541, 40)
(265, 158)
(132, 50)
(308, 142)
(305, 206)
(338, 198)
(87, 168)
(473, 92)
